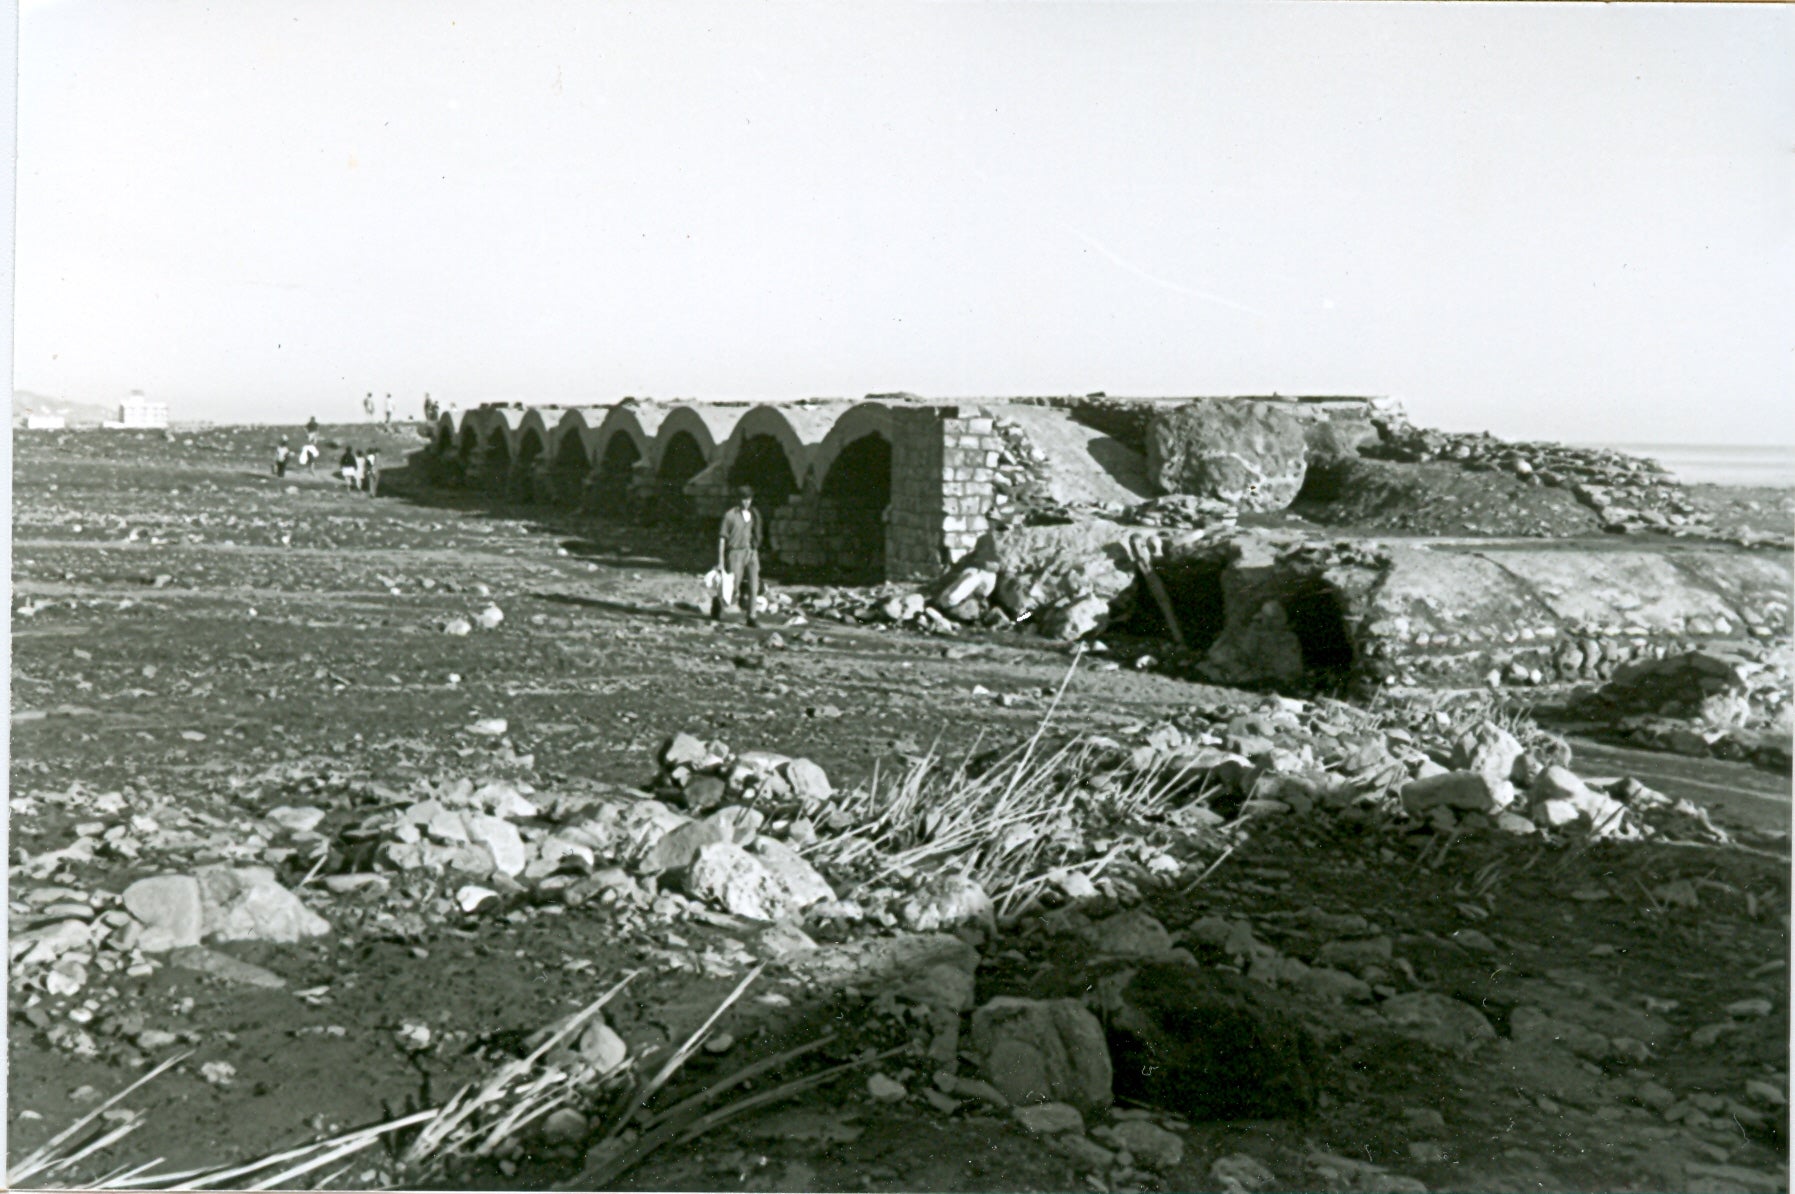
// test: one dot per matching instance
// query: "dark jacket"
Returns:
(743, 534)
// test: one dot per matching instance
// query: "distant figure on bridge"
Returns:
(738, 554)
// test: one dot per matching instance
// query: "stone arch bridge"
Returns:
(887, 487)
(884, 487)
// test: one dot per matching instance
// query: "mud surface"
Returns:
(189, 628)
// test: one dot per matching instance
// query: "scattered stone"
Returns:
(490, 727)
(885, 1090)
(296, 820)
(601, 1048)
(564, 1126)
(1241, 1173)
(472, 896)
(947, 902)
(1153, 1146)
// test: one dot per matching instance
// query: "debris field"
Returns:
(462, 825)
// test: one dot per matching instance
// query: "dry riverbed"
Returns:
(204, 657)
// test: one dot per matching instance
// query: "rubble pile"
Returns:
(1432, 771)
(1727, 700)
(1627, 494)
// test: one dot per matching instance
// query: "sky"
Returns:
(1545, 221)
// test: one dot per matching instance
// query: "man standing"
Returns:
(738, 554)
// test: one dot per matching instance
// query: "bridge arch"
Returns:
(765, 452)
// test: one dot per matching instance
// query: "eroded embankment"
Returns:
(1281, 608)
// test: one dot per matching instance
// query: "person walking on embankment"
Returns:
(738, 554)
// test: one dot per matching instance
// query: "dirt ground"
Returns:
(199, 636)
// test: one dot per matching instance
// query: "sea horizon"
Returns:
(1718, 464)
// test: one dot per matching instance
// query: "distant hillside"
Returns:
(25, 402)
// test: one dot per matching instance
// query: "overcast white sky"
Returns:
(1544, 220)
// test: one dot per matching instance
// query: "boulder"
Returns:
(1466, 791)
(170, 909)
(1252, 455)
(1489, 750)
(809, 783)
(684, 750)
(801, 882)
(509, 857)
(1206, 1044)
(249, 904)
(772, 884)
(947, 902)
(1041, 566)
(1558, 786)
(677, 849)
(1040, 1051)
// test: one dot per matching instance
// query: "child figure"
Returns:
(281, 452)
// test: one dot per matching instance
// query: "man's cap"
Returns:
(744, 491)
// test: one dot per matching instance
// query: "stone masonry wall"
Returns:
(913, 527)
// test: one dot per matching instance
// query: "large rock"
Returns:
(1206, 1044)
(801, 882)
(509, 856)
(249, 904)
(170, 909)
(775, 885)
(676, 850)
(1466, 791)
(1039, 1051)
(1489, 750)
(1039, 566)
(1249, 454)
(809, 782)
